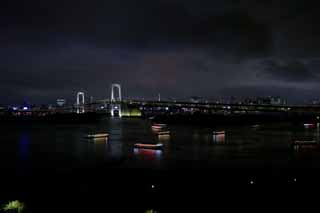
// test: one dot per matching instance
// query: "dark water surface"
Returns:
(54, 165)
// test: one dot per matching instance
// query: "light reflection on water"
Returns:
(241, 145)
(147, 154)
(164, 138)
(24, 146)
(24, 149)
(219, 139)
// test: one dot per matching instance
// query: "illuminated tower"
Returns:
(80, 105)
(116, 102)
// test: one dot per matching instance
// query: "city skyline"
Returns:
(176, 48)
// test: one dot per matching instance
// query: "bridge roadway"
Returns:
(217, 106)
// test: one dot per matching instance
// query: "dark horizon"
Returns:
(52, 49)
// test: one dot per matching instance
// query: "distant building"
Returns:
(196, 99)
(273, 100)
(61, 102)
(263, 100)
(277, 101)
(314, 102)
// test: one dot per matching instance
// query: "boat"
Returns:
(159, 126)
(308, 125)
(148, 146)
(164, 133)
(219, 132)
(95, 136)
(311, 142)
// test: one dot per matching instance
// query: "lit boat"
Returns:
(94, 136)
(159, 126)
(219, 132)
(164, 133)
(148, 146)
(312, 142)
(308, 125)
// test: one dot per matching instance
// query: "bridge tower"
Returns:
(80, 105)
(116, 102)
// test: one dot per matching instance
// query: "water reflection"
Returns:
(24, 149)
(100, 148)
(99, 140)
(219, 139)
(164, 138)
(318, 132)
(24, 146)
(116, 139)
(147, 154)
(306, 148)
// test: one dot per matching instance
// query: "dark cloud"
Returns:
(292, 70)
(141, 23)
(54, 48)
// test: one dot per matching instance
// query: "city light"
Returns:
(107, 105)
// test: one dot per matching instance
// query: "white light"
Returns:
(25, 108)
(152, 186)
(251, 182)
(295, 180)
(167, 108)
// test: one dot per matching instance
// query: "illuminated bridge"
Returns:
(117, 106)
(212, 107)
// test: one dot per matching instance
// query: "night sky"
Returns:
(179, 48)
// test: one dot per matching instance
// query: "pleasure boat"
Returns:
(95, 136)
(159, 126)
(312, 142)
(218, 132)
(148, 146)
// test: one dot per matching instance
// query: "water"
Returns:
(63, 146)
(31, 155)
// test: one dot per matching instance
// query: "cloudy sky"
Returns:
(179, 48)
